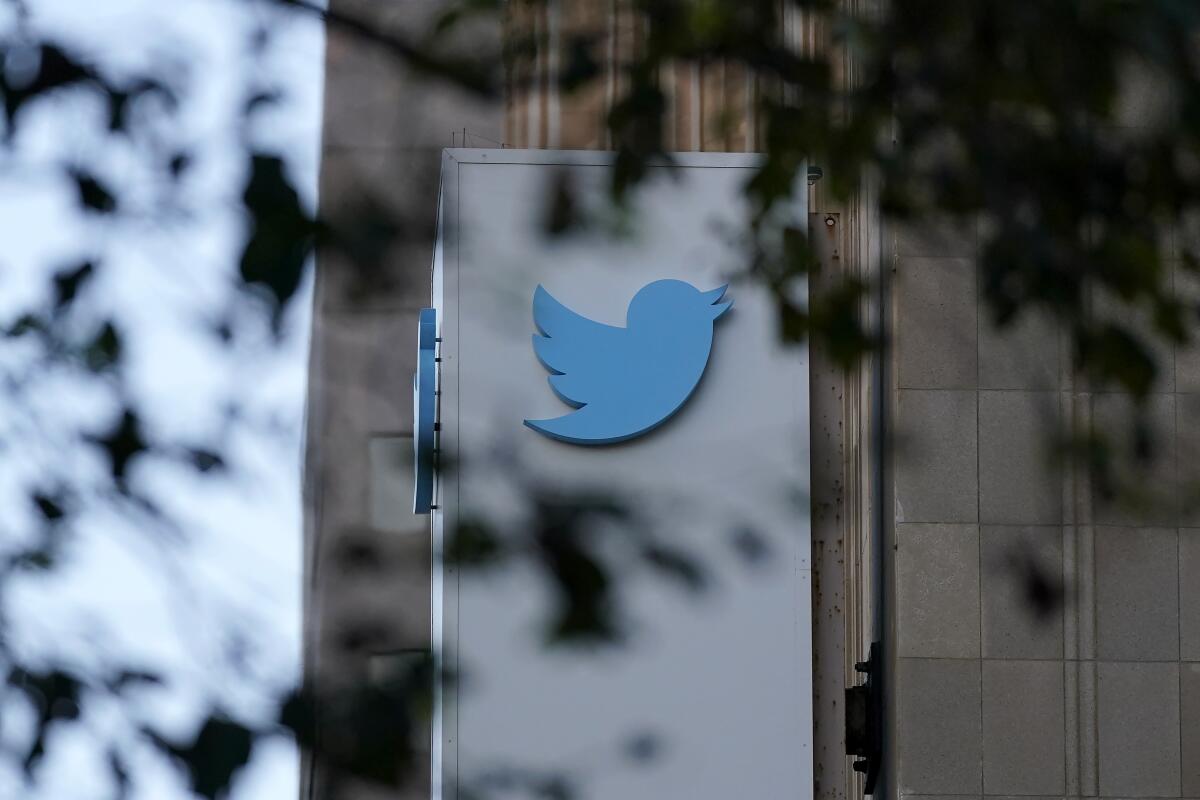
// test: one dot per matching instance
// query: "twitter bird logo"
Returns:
(624, 381)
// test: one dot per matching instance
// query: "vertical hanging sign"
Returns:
(672, 402)
(424, 411)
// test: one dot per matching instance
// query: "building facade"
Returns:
(919, 546)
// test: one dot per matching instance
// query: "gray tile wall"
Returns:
(996, 696)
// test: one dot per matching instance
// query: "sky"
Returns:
(228, 591)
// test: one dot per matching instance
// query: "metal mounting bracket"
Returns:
(864, 718)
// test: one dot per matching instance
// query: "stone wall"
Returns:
(368, 557)
(1100, 696)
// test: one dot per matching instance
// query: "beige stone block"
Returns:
(937, 593)
(1023, 739)
(1137, 601)
(1025, 354)
(1019, 482)
(938, 708)
(1141, 458)
(1189, 709)
(1138, 721)
(936, 323)
(1189, 594)
(1013, 625)
(936, 457)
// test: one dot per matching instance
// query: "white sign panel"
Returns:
(613, 364)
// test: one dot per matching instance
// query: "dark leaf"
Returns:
(836, 315)
(750, 545)
(1040, 585)
(643, 747)
(584, 612)
(297, 713)
(36, 559)
(554, 787)
(281, 233)
(179, 164)
(580, 65)
(1113, 355)
(26, 323)
(562, 214)
(206, 460)
(129, 678)
(122, 444)
(42, 69)
(68, 282)
(374, 726)
(212, 760)
(223, 330)
(104, 351)
(120, 773)
(50, 507)
(473, 544)
(118, 110)
(676, 565)
(93, 195)
(794, 322)
(56, 696)
(262, 99)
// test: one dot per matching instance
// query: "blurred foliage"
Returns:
(1074, 166)
(1063, 136)
(584, 543)
(366, 730)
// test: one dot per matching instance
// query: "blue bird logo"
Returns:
(624, 382)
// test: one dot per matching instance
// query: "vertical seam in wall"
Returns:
(1094, 783)
(883, 539)
(1178, 614)
(553, 104)
(666, 83)
(1177, 515)
(978, 501)
(751, 110)
(610, 89)
(1071, 727)
(697, 108)
(723, 97)
(1092, 699)
(1070, 661)
(533, 103)
(1072, 770)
